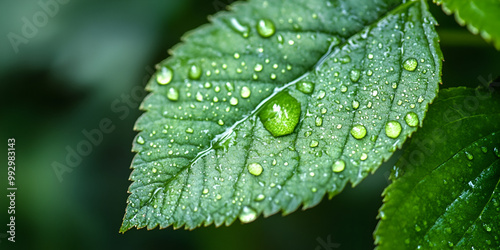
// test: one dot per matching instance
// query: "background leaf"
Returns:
(446, 190)
(480, 16)
(204, 156)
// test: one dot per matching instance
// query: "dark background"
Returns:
(90, 54)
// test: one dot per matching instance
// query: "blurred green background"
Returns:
(92, 54)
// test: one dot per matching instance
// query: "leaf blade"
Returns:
(204, 178)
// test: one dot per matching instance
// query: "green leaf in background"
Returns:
(276, 103)
(446, 191)
(480, 16)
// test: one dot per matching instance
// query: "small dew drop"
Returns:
(173, 94)
(345, 59)
(265, 28)
(393, 129)
(233, 101)
(319, 121)
(199, 97)
(355, 74)
(238, 27)
(410, 64)
(205, 191)
(258, 67)
(140, 140)
(343, 89)
(363, 157)
(355, 104)
(245, 92)
(314, 144)
(321, 94)
(255, 169)
(411, 118)
(469, 156)
(338, 166)
(358, 131)
(165, 76)
(189, 130)
(305, 87)
(260, 197)
(194, 72)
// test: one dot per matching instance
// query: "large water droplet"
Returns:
(265, 28)
(194, 72)
(358, 131)
(281, 114)
(411, 118)
(410, 64)
(305, 87)
(245, 92)
(314, 144)
(338, 166)
(255, 169)
(393, 129)
(165, 76)
(173, 94)
(247, 215)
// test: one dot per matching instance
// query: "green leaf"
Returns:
(315, 74)
(480, 16)
(446, 190)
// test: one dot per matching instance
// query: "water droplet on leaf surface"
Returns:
(165, 76)
(265, 28)
(393, 129)
(411, 118)
(140, 140)
(338, 166)
(247, 215)
(255, 168)
(245, 92)
(355, 75)
(281, 114)
(358, 131)
(410, 64)
(305, 87)
(173, 94)
(194, 72)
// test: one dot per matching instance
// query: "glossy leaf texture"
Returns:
(275, 104)
(480, 16)
(446, 187)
